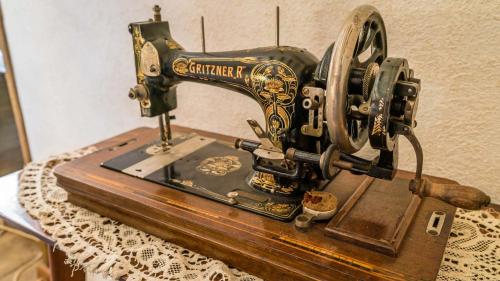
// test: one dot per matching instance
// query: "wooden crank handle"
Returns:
(465, 197)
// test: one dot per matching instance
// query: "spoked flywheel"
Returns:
(360, 49)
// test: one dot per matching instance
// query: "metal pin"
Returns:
(167, 128)
(157, 14)
(278, 26)
(203, 34)
(163, 135)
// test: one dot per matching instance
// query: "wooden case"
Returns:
(268, 248)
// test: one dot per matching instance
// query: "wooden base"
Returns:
(262, 246)
(376, 215)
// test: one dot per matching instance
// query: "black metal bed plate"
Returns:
(207, 168)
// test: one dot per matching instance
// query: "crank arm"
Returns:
(461, 196)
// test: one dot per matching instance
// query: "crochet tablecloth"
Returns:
(101, 245)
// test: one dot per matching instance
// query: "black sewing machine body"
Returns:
(272, 76)
(318, 113)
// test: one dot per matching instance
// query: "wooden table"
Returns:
(15, 216)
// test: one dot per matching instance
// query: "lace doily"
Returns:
(100, 245)
(473, 249)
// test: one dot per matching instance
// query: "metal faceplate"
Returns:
(161, 158)
(150, 60)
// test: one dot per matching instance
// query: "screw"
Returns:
(156, 14)
(132, 94)
(232, 197)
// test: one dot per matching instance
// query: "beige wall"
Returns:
(74, 64)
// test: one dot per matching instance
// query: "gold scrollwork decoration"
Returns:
(138, 42)
(274, 81)
(275, 86)
(219, 165)
(271, 82)
(267, 182)
(180, 66)
(278, 208)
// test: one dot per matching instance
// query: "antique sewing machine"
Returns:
(318, 114)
